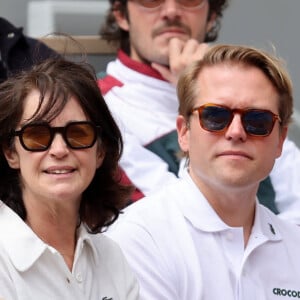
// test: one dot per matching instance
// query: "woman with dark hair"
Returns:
(59, 187)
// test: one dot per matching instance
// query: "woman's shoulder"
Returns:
(114, 263)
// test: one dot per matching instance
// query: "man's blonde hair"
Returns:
(272, 66)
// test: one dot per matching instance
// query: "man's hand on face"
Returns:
(181, 54)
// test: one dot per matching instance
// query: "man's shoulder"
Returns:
(289, 232)
(39, 49)
(106, 247)
(158, 210)
(106, 82)
(6, 26)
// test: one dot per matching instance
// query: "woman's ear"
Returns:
(12, 157)
(100, 157)
(120, 17)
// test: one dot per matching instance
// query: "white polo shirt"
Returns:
(32, 270)
(180, 249)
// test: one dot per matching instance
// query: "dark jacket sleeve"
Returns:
(19, 52)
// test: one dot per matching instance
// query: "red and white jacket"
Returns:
(144, 106)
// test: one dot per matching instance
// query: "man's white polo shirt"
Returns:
(180, 249)
(32, 270)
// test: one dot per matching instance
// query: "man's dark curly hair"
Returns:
(57, 80)
(119, 38)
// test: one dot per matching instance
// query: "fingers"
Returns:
(182, 53)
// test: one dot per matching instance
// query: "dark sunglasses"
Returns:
(216, 118)
(39, 136)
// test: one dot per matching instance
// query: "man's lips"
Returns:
(172, 30)
(235, 153)
(175, 30)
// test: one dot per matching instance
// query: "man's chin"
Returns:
(161, 60)
(160, 57)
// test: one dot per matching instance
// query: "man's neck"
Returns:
(234, 206)
(138, 66)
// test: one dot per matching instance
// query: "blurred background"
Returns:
(266, 24)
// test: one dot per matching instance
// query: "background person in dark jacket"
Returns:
(18, 51)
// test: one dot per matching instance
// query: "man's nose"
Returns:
(235, 130)
(171, 9)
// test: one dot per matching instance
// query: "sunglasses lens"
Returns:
(214, 118)
(258, 122)
(36, 137)
(80, 135)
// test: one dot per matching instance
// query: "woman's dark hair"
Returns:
(57, 80)
(119, 38)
